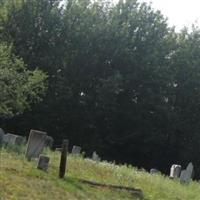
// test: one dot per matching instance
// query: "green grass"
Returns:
(20, 180)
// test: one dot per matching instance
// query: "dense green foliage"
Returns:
(121, 81)
(19, 87)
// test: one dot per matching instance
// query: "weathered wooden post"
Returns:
(63, 158)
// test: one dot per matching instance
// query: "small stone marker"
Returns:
(43, 162)
(154, 171)
(76, 150)
(58, 149)
(95, 156)
(63, 158)
(36, 144)
(186, 175)
(175, 171)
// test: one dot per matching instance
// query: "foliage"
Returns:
(19, 87)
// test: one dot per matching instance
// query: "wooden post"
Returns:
(63, 158)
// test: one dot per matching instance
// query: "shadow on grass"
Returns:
(80, 185)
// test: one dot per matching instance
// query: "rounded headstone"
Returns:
(154, 171)
(175, 171)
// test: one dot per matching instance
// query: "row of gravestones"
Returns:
(176, 171)
(13, 139)
(76, 151)
(37, 142)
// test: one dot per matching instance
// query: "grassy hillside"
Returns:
(21, 180)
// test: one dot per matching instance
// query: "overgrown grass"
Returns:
(21, 180)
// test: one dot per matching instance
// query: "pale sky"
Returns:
(179, 12)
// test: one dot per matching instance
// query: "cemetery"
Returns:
(73, 171)
(99, 100)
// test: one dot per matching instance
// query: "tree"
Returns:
(19, 87)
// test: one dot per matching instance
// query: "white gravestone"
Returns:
(36, 144)
(76, 150)
(175, 171)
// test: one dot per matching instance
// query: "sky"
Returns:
(180, 13)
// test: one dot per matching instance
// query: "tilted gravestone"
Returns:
(76, 150)
(2, 133)
(43, 162)
(36, 144)
(12, 139)
(154, 171)
(175, 171)
(186, 175)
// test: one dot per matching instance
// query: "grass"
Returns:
(20, 180)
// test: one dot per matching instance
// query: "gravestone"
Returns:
(49, 141)
(1, 136)
(154, 171)
(58, 149)
(43, 162)
(190, 169)
(186, 174)
(9, 139)
(175, 171)
(76, 150)
(95, 156)
(19, 140)
(184, 177)
(12, 139)
(36, 144)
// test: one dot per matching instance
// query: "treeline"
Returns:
(120, 80)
